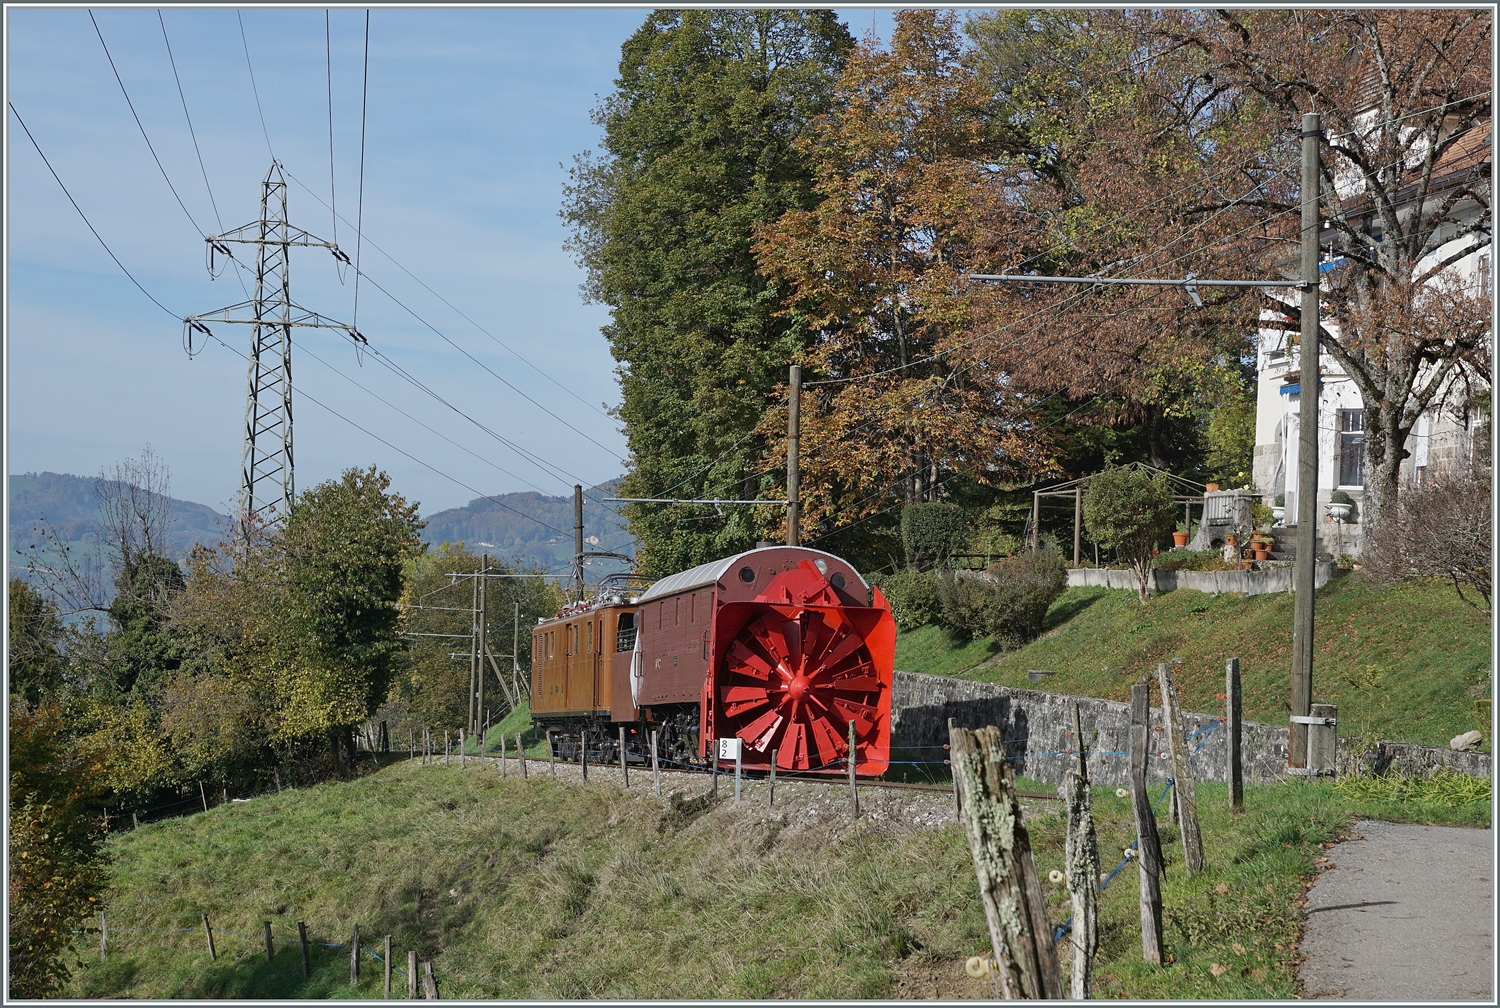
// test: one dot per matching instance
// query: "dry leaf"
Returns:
(1218, 970)
(1270, 887)
(1238, 948)
(1222, 889)
(1257, 974)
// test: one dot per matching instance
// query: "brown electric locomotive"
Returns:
(782, 647)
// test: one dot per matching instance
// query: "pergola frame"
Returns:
(1073, 489)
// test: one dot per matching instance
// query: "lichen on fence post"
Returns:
(1082, 864)
(1014, 905)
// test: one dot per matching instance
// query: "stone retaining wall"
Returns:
(1243, 582)
(1037, 723)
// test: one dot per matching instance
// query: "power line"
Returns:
(203, 168)
(253, 89)
(91, 227)
(359, 227)
(332, 185)
(142, 128)
(499, 342)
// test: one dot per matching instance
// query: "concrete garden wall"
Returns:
(1035, 724)
(1243, 582)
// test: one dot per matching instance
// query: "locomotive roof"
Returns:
(709, 573)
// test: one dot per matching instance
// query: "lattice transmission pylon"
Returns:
(267, 481)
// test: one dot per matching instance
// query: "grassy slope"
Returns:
(550, 889)
(1403, 662)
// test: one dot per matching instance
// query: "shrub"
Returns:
(1440, 530)
(1192, 560)
(1340, 497)
(1009, 601)
(1128, 510)
(913, 596)
(932, 533)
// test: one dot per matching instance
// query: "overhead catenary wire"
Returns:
(333, 196)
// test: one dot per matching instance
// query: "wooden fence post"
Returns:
(624, 761)
(551, 755)
(1014, 905)
(714, 769)
(208, 932)
(1082, 848)
(302, 940)
(103, 938)
(958, 802)
(204, 795)
(655, 767)
(270, 942)
(1183, 786)
(463, 752)
(1233, 729)
(520, 751)
(502, 756)
(411, 975)
(277, 772)
(1148, 844)
(429, 982)
(134, 822)
(447, 747)
(387, 967)
(354, 957)
(851, 757)
(583, 753)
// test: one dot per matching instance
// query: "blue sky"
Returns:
(472, 115)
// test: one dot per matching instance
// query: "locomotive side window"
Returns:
(591, 637)
(625, 632)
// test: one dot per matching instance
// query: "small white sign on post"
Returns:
(729, 748)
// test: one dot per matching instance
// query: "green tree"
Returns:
(1129, 509)
(35, 662)
(344, 548)
(699, 148)
(55, 834)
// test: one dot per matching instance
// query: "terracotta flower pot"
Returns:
(1261, 554)
(1245, 564)
(1179, 538)
(1210, 487)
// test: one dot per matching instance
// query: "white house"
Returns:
(1444, 435)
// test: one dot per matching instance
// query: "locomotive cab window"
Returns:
(591, 637)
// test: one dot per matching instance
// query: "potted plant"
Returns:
(1210, 487)
(1179, 538)
(1261, 516)
(1340, 506)
(1278, 509)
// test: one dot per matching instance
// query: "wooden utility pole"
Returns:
(1077, 525)
(1304, 573)
(484, 566)
(1182, 776)
(1082, 847)
(577, 543)
(794, 456)
(1014, 904)
(1232, 727)
(1148, 844)
(476, 652)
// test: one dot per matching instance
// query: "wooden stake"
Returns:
(277, 772)
(447, 747)
(429, 982)
(1014, 904)
(103, 938)
(208, 932)
(1082, 848)
(203, 795)
(1148, 844)
(354, 957)
(655, 768)
(502, 755)
(463, 752)
(583, 753)
(520, 751)
(850, 757)
(714, 767)
(134, 822)
(411, 975)
(772, 800)
(270, 942)
(302, 940)
(551, 755)
(958, 801)
(1184, 788)
(624, 762)
(387, 967)
(1232, 727)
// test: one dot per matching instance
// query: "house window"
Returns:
(1352, 447)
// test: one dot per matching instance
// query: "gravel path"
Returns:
(1403, 913)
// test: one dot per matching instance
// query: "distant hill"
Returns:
(70, 505)
(494, 525)
(499, 525)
